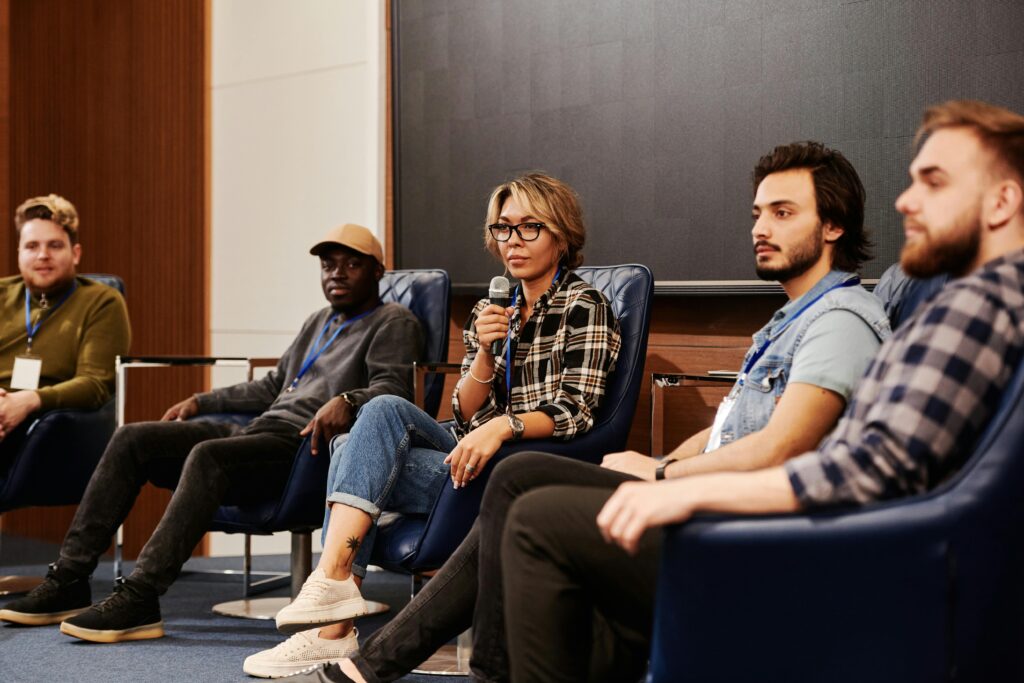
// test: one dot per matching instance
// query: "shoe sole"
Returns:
(146, 632)
(282, 670)
(325, 616)
(30, 619)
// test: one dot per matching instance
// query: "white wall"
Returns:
(298, 147)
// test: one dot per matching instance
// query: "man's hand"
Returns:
(183, 410)
(631, 462)
(333, 418)
(15, 406)
(637, 506)
(476, 449)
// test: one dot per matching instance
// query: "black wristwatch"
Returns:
(348, 399)
(659, 474)
(517, 426)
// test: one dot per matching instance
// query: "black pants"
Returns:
(548, 599)
(206, 463)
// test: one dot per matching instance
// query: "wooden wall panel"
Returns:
(109, 108)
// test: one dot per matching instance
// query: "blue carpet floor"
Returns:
(199, 646)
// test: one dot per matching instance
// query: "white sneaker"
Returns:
(303, 650)
(321, 601)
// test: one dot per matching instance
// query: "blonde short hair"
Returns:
(1000, 130)
(550, 200)
(52, 207)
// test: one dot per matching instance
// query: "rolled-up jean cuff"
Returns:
(359, 571)
(355, 502)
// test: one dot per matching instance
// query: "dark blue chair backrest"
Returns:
(108, 280)
(901, 294)
(427, 293)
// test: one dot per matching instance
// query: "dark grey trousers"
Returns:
(548, 599)
(206, 464)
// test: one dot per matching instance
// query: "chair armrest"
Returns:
(420, 372)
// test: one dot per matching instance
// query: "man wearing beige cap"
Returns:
(345, 354)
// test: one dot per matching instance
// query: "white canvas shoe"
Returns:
(303, 650)
(322, 601)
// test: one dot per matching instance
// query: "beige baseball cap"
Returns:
(352, 236)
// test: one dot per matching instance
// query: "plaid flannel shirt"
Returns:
(563, 355)
(926, 398)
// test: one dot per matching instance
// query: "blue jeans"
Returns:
(392, 459)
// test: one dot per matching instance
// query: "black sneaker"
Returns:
(129, 613)
(61, 595)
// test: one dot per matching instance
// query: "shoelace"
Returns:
(121, 597)
(313, 589)
(51, 586)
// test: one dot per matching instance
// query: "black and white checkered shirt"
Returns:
(926, 398)
(563, 355)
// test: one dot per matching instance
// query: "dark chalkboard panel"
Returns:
(657, 110)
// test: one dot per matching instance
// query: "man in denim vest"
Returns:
(808, 235)
(804, 363)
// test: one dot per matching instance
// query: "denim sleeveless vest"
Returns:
(765, 382)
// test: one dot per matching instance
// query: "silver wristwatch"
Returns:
(517, 426)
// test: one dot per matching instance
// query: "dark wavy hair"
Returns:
(838, 193)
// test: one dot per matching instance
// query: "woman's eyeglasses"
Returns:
(528, 232)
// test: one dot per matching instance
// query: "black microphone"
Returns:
(499, 295)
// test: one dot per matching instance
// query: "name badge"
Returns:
(27, 370)
(724, 408)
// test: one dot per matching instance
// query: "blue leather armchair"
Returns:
(60, 452)
(414, 544)
(920, 589)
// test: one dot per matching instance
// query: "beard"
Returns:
(801, 258)
(953, 251)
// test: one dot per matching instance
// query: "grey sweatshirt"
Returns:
(371, 357)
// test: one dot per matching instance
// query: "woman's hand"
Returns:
(491, 325)
(470, 455)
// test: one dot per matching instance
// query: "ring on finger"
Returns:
(470, 468)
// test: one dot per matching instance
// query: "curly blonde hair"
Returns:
(52, 207)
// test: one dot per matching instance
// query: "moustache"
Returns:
(765, 243)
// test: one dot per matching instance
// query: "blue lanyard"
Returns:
(31, 330)
(853, 282)
(317, 350)
(508, 346)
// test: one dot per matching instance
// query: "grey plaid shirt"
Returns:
(927, 396)
(563, 355)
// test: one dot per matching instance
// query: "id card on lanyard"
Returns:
(28, 367)
(729, 402)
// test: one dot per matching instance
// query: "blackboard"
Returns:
(657, 110)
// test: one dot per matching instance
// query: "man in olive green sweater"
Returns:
(59, 333)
